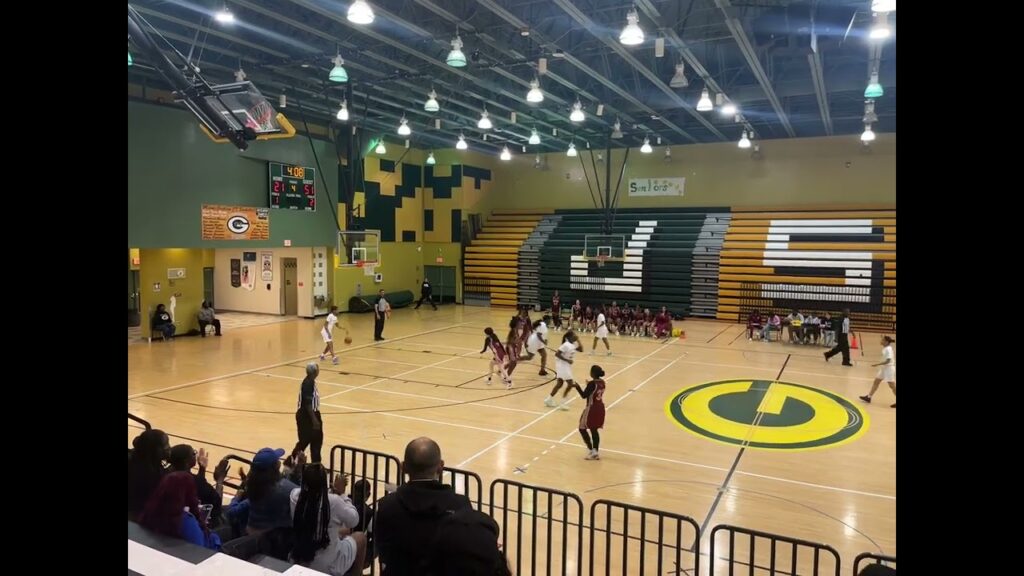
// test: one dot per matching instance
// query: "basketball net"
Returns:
(601, 260)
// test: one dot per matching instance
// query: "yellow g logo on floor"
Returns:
(767, 415)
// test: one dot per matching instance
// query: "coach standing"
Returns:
(842, 339)
(381, 312)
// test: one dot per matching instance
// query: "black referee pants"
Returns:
(308, 436)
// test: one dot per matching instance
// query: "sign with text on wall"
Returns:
(656, 186)
(235, 223)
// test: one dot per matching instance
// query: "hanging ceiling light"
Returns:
(534, 137)
(668, 154)
(726, 108)
(461, 144)
(338, 73)
(129, 57)
(431, 104)
(456, 59)
(616, 130)
(430, 159)
(880, 30)
(239, 74)
(868, 135)
(571, 152)
(744, 141)
(883, 5)
(534, 95)
(403, 127)
(225, 16)
(485, 121)
(577, 114)
(679, 79)
(360, 12)
(380, 147)
(505, 154)
(343, 111)
(704, 104)
(646, 148)
(632, 34)
(874, 89)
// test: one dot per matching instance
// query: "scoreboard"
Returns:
(292, 187)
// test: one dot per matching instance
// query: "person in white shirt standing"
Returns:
(886, 370)
(563, 368)
(381, 312)
(601, 333)
(328, 334)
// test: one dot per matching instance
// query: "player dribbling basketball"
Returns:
(327, 332)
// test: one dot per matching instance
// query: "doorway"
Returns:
(442, 279)
(208, 286)
(290, 287)
(134, 318)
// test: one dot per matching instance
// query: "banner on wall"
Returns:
(249, 270)
(236, 273)
(267, 267)
(656, 186)
(235, 223)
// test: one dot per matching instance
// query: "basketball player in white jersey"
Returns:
(328, 334)
(601, 333)
(563, 368)
(537, 343)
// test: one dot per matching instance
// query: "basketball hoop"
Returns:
(601, 260)
(359, 263)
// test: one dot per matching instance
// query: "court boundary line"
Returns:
(385, 379)
(279, 364)
(754, 424)
(408, 394)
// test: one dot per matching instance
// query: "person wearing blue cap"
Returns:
(268, 494)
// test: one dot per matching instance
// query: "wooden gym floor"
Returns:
(237, 394)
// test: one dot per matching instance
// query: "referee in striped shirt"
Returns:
(307, 417)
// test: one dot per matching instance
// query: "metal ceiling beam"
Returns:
(668, 29)
(494, 44)
(325, 36)
(818, 78)
(511, 18)
(209, 31)
(740, 36)
(337, 17)
(490, 41)
(269, 81)
(413, 102)
(598, 31)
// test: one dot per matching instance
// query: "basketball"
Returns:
(348, 339)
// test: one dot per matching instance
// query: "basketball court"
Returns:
(237, 393)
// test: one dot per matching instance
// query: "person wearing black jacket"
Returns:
(407, 520)
(426, 293)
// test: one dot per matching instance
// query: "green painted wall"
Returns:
(174, 168)
(835, 170)
(402, 266)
